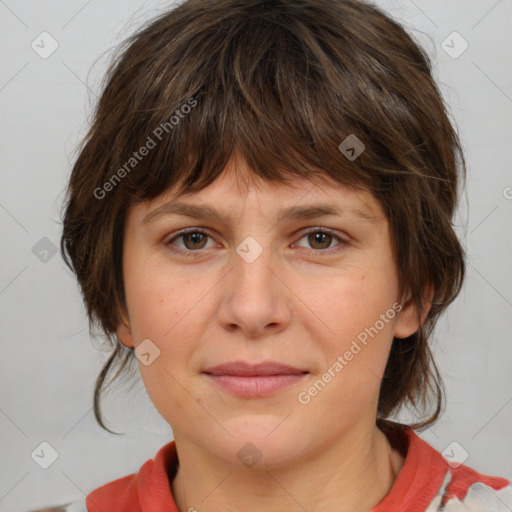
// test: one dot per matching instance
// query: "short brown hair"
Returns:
(281, 83)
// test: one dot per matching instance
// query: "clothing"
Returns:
(426, 483)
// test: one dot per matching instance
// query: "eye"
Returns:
(193, 239)
(320, 239)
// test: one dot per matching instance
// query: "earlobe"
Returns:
(407, 323)
(124, 333)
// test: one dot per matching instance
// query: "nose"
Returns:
(255, 298)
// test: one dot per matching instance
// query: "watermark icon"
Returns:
(44, 455)
(352, 147)
(507, 192)
(138, 156)
(454, 45)
(147, 352)
(44, 249)
(249, 454)
(304, 397)
(249, 249)
(44, 45)
(454, 454)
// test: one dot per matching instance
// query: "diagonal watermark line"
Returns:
(498, 2)
(13, 279)
(376, 376)
(88, 88)
(286, 491)
(492, 492)
(2, 1)
(13, 423)
(68, 272)
(484, 218)
(503, 407)
(79, 488)
(201, 405)
(222, 481)
(300, 300)
(280, 423)
(492, 81)
(102, 397)
(491, 285)
(14, 485)
(13, 217)
(76, 14)
(14, 76)
(77, 423)
(69, 478)
(424, 13)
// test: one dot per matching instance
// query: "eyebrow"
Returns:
(292, 212)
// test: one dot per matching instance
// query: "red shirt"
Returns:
(425, 483)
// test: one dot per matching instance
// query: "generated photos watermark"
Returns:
(304, 397)
(144, 150)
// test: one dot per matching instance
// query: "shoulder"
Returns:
(435, 482)
(465, 489)
(75, 506)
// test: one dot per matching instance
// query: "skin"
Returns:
(293, 304)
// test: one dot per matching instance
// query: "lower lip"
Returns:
(255, 386)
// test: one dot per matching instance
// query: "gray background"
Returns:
(49, 364)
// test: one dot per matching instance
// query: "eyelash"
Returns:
(198, 252)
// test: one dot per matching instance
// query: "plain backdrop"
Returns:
(48, 361)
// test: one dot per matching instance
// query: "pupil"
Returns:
(320, 237)
(195, 237)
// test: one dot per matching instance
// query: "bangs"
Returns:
(249, 88)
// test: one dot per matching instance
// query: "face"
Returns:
(314, 291)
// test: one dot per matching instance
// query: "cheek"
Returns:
(355, 302)
(162, 305)
(163, 311)
(359, 313)
(159, 301)
(358, 310)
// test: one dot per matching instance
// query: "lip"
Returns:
(242, 368)
(247, 380)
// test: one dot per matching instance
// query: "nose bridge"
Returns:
(256, 261)
(254, 231)
(253, 263)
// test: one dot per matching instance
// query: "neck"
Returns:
(351, 475)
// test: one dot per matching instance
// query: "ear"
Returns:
(124, 332)
(407, 322)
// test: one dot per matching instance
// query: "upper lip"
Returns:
(246, 369)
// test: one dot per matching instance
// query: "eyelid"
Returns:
(314, 229)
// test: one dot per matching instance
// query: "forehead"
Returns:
(237, 189)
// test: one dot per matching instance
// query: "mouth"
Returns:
(244, 369)
(247, 380)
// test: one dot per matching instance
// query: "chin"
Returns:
(260, 445)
